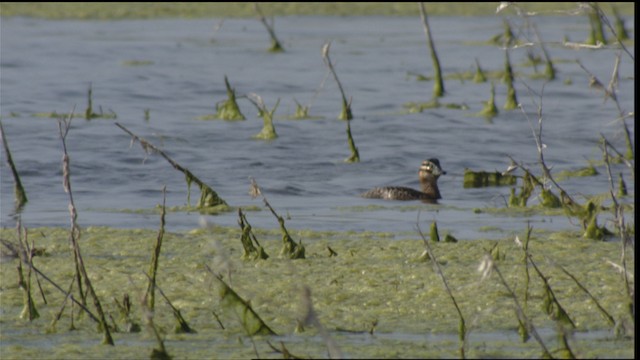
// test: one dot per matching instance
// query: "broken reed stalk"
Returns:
(74, 233)
(490, 109)
(620, 224)
(289, 248)
(29, 310)
(620, 31)
(525, 249)
(88, 113)
(479, 76)
(512, 101)
(229, 109)
(58, 316)
(604, 312)
(610, 92)
(275, 43)
(159, 353)
(248, 238)
(556, 312)
(153, 269)
(537, 136)
(182, 327)
(549, 71)
(551, 305)
(251, 321)
(597, 18)
(310, 318)
(525, 324)
(268, 131)
(208, 197)
(462, 328)
(346, 105)
(438, 86)
(20, 194)
(67, 294)
(355, 155)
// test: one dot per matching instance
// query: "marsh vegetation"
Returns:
(530, 253)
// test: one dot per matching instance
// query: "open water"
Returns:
(174, 69)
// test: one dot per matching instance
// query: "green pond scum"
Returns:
(373, 278)
(476, 179)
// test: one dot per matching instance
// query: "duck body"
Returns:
(428, 174)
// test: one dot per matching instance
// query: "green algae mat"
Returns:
(350, 290)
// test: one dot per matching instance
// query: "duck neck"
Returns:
(429, 186)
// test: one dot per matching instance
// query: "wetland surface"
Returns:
(161, 77)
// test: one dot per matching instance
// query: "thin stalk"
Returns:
(268, 131)
(622, 227)
(208, 197)
(346, 105)
(251, 321)
(462, 329)
(438, 86)
(153, 269)
(604, 312)
(275, 43)
(183, 326)
(26, 255)
(74, 233)
(20, 194)
(522, 318)
(355, 155)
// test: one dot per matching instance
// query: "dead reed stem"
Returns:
(462, 330)
(20, 194)
(275, 43)
(622, 228)
(74, 234)
(490, 266)
(346, 113)
(153, 269)
(183, 326)
(26, 255)
(208, 197)
(438, 86)
(309, 317)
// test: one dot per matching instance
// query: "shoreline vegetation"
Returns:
(133, 10)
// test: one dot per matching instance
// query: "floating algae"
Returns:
(476, 179)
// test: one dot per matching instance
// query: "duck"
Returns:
(429, 172)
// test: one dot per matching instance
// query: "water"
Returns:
(47, 66)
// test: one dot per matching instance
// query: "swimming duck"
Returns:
(429, 173)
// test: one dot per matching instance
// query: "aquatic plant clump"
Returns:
(511, 102)
(490, 109)
(268, 131)
(476, 179)
(248, 239)
(229, 109)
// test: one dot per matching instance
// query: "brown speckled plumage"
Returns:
(429, 173)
